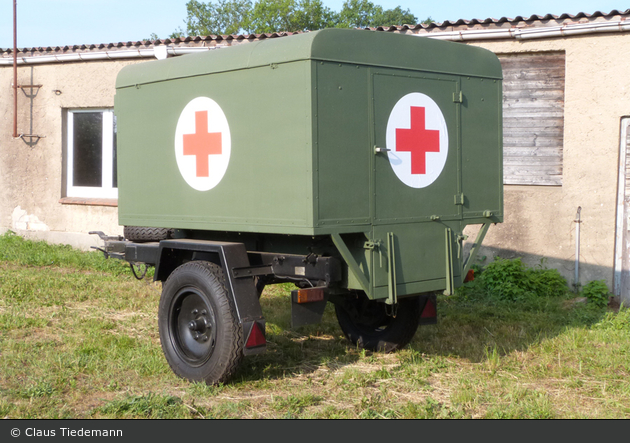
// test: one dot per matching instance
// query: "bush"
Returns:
(512, 280)
(596, 292)
(548, 282)
(506, 279)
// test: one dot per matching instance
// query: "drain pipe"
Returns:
(577, 248)
(529, 33)
(15, 86)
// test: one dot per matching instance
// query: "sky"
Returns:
(43, 23)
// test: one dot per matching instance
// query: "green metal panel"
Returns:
(396, 202)
(482, 153)
(366, 48)
(305, 114)
(269, 177)
(344, 152)
(420, 251)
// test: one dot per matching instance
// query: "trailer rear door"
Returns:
(416, 120)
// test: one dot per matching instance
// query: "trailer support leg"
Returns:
(450, 278)
(392, 293)
(475, 249)
(353, 266)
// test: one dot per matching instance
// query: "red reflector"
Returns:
(429, 310)
(310, 295)
(256, 337)
(470, 276)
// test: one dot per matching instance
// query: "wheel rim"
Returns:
(369, 318)
(192, 326)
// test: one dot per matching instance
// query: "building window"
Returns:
(533, 118)
(91, 168)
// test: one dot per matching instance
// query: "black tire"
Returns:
(366, 324)
(143, 234)
(199, 331)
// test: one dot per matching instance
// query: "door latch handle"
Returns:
(378, 150)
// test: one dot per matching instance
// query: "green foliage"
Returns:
(84, 344)
(548, 282)
(224, 17)
(145, 406)
(430, 409)
(512, 280)
(295, 404)
(178, 33)
(16, 249)
(613, 322)
(506, 279)
(267, 16)
(289, 15)
(521, 403)
(596, 292)
(365, 14)
(40, 388)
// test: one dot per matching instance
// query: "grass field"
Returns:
(78, 339)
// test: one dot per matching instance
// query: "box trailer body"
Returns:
(374, 149)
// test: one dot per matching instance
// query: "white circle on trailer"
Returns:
(202, 143)
(417, 139)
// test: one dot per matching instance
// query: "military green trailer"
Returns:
(346, 161)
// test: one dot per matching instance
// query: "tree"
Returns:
(225, 17)
(396, 16)
(178, 33)
(312, 15)
(267, 16)
(365, 14)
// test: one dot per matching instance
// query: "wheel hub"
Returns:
(200, 327)
(193, 321)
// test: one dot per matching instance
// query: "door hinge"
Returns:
(458, 97)
(459, 199)
(375, 245)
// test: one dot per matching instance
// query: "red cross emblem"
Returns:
(202, 143)
(418, 140)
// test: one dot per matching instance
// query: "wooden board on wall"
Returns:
(533, 117)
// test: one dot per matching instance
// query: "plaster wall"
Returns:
(539, 220)
(31, 170)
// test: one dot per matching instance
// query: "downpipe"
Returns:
(15, 76)
(577, 221)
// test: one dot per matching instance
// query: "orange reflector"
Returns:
(429, 310)
(256, 337)
(310, 295)
(470, 276)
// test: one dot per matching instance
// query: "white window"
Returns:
(91, 167)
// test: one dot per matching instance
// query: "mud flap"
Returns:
(307, 306)
(429, 310)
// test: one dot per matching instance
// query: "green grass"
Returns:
(79, 339)
(16, 250)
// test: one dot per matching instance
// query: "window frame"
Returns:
(107, 190)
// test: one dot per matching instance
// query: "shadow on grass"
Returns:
(292, 352)
(473, 329)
